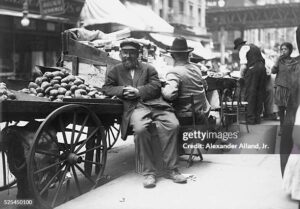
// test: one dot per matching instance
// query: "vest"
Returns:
(254, 55)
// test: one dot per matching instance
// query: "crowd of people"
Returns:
(147, 104)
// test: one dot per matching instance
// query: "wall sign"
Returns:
(54, 7)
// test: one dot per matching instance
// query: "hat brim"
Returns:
(186, 50)
(235, 47)
(129, 47)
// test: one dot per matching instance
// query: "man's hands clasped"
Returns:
(130, 93)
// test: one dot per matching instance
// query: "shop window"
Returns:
(191, 10)
(6, 53)
(170, 4)
(181, 7)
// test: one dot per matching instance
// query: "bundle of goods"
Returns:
(58, 85)
(5, 94)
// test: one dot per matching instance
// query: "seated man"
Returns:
(137, 84)
(185, 79)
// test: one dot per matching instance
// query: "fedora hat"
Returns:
(238, 42)
(180, 45)
(129, 44)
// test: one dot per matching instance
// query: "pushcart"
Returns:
(68, 153)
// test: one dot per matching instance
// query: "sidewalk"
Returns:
(221, 181)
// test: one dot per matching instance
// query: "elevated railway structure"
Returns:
(251, 17)
(241, 18)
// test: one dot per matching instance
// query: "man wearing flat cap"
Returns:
(185, 79)
(137, 84)
(253, 72)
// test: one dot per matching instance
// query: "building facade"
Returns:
(37, 41)
(188, 15)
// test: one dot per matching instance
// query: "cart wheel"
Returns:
(7, 179)
(57, 159)
(112, 134)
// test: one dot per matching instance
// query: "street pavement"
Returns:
(230, 180)
(225, 179)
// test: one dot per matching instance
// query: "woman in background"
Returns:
(284, 68)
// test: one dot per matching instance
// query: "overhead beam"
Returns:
(269, 16)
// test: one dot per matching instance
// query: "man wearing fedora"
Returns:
(137, 84)
(253, 72)
(185, 79)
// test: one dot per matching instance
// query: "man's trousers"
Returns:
(146, 119)
(255, 88)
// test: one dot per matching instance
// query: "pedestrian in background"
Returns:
(284, 69)
(253, 73)
(286, 142)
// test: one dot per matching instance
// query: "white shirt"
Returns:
(243, 54)
(132, 73)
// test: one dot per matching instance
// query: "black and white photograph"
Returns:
(150, 104)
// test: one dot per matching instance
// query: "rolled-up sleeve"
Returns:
(243, 54)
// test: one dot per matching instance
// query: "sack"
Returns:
(17, 142)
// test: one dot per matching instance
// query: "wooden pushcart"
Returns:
(68, 153)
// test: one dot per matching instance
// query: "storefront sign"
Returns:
(54, 7)
(62, 8)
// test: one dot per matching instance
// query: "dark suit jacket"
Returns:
(145, 79)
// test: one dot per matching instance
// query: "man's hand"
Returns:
(130, 92)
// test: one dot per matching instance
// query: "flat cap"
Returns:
(129, 44)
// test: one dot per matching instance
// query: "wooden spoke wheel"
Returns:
(112, 134)
(57, 168)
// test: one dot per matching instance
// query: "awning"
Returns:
(199, 50)
(152, 21)
(109, 11)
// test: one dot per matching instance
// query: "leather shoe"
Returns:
(149, 181)
(176, 176)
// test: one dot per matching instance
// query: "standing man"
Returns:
(137, 84)
(253, 71)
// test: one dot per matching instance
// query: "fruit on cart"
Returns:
(47, 91)
(3, 92)
(32, 85)
(62, 91)
(68, 93)
(2, 85)
(77, 82)
(45, 85)
(11, 95)
(58, 85)
(40, 95)
(53, 92)
(33, 91)
(73, 88)
(53, 82)
(6, 94)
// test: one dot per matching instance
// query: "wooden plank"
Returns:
(27, 110)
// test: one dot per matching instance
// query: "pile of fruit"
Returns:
(59, 85)
(5, 94)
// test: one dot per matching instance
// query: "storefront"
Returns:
(39, 43)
